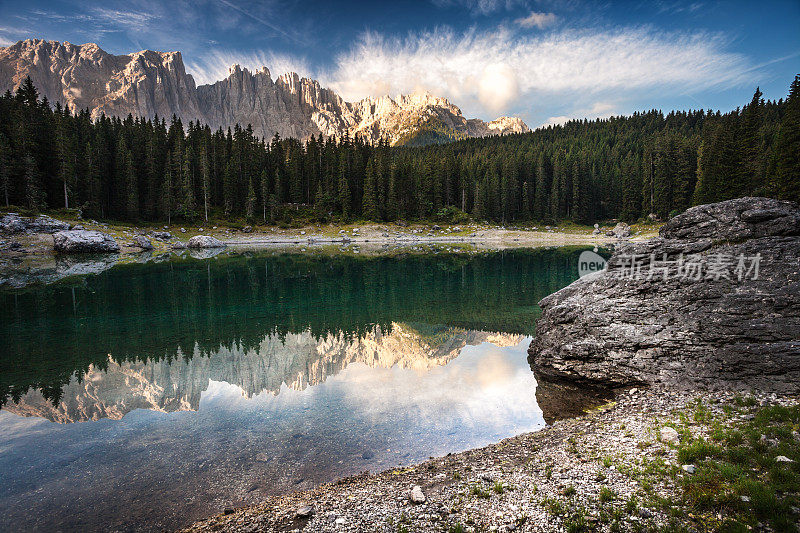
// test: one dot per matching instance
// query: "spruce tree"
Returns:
(786, 180)
(369, 202)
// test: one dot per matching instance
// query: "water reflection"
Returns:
(155, 470)
(150, 395)
(294, 361)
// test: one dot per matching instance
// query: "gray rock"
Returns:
(205, 241)
(161, 235)
(783, 459)
(178, 245)
(669, 434)
(612, 328)
(84, 241)
(247, 229)
(304, 511)
(417, 495)
(142, 242)
(12, 223)
(689, 469)
(621, 230)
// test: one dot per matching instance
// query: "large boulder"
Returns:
(713, 301)
(205, 241)
(84, 241)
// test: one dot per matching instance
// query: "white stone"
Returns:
(417, 495)
(669, 434)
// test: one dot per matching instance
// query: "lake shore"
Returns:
(28, 257)
(631, 464)
(405, 234)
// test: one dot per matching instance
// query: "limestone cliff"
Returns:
(149, 83)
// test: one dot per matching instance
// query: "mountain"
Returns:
(296, 360)
(149, 83)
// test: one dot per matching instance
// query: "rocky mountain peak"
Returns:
(149, 83)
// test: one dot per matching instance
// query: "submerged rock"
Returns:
(84, 241)
(713, 301)
(205, 241)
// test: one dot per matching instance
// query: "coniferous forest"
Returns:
(586, 170)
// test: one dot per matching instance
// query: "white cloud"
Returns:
(538, 20)
(480, 7)
(597, 110)
(214, 66)
(131, 20)
(493, 71)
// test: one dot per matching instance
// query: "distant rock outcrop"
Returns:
(149, 83)
(714, 301)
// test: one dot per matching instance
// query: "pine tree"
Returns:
(132, 203)
(264, 193)
(205, 167)
(188, 204)
(786, 180)
(250, 204)
(369, 202)
(344, 190)
(34, 194)
(5, 168)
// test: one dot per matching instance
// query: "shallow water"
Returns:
(148, 396)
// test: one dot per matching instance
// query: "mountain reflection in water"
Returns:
(152, 395)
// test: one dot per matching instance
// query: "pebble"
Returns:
(417, 495)
(669, 434)
(304, 511)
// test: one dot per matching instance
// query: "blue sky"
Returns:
(542, 60)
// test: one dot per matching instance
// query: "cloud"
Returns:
(538, 20)
(479, 7)
(131, 20)
(493, 70)
(597, 110)
(215, 65)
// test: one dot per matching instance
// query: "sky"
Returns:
(544, 61)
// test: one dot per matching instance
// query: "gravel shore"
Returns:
(612, 469)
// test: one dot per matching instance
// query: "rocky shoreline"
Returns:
(43, 249)
(620, 467)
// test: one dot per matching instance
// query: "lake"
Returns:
(154, 394)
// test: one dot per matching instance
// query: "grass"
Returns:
(738, 482)
(606, 495)
(477, 490)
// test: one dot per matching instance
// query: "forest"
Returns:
(627, 167)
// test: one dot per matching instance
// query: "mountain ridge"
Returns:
(149, 83)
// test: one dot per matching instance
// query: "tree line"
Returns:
(626, 167)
